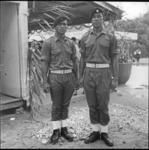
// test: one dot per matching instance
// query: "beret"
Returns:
(96, 10)
(59, 19)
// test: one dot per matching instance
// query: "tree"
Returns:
(141, 26)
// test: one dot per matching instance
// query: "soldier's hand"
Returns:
(77, 85)
(114, 84)
(81, 81)
(46, 87)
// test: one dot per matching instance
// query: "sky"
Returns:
(132, 9)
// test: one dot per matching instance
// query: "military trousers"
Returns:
(97, 89)
(61, 88)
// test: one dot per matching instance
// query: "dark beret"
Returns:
(96, 10)
(59, 19)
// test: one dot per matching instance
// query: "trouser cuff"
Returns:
(95, 127)
(64, 123)
(56, 124)
(104, 128)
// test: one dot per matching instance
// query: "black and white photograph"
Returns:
(74, 74)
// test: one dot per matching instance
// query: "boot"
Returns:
(55, 136)
(65, 134)
(94, 136)
(106, 139)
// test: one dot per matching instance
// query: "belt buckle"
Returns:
(95, 66)
(63, 71)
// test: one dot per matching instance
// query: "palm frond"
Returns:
(50, 16)
(46, 12)
(43, 28)
(64, 11)
(54, 6)
(46, 22)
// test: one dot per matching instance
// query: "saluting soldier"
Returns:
(98, 69)
(59, 58)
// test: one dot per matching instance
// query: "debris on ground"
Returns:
(124, 121)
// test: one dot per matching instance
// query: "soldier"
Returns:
(137, 54)
(59, 57)
(98, 70)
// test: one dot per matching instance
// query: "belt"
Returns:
(61, 71)
(93, 65)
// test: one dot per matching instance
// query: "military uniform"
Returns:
(61, 78)
(96, 51)
(61, 56)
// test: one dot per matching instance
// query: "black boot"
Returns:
(65, 134)
(94, 136)
(106, 139)
(55, 136)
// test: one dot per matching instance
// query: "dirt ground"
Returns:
(128, 128)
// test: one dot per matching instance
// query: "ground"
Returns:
(128, 125)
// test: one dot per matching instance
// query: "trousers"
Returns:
(61, 88)
(97, 90)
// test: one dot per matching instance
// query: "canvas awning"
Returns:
(42, 12)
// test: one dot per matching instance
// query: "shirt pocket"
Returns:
(55, 52)
(105, 42)
(68, 51)
(89, 43)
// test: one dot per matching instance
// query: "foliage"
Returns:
(40, 102)
(125, 47)
(44, 14)
(141, 26)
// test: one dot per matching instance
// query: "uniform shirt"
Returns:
(60, 54)
(98, 48)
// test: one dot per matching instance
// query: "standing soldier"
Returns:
(98, 70)
(137, 54)
(59, 58)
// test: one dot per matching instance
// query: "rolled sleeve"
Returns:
(113, 47)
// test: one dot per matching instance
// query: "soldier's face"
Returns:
(62, 27)
(97, 20)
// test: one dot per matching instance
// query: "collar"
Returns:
(91, 31)
(56, 38)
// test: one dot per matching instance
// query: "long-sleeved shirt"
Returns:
(59, 53)
(98, 48)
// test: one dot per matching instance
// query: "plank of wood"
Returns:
(11, 105)
(6, 99)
